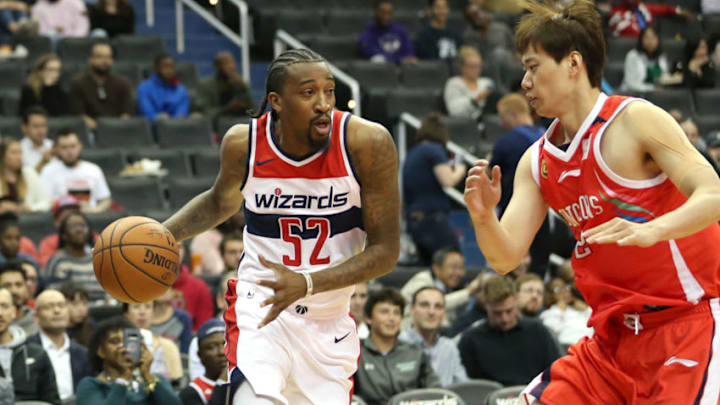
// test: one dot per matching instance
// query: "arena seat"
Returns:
(175, 161)
(10, 126)
(183, 189)
(673, 48)
(121, 132)
(335, 47)
(678, 27)
(99, 220)
(463, 131)
(186, 74)
(206, 162)
(129, 70)
(417, 101)
(301, 24)
(707, 124)
(225, 122)
(707, 101)
(493, 131)
(475, 391)
(341, 21)
(131, 48)
(36, 225)
(137, 193)
(425, 74)
(506, 396)
(69, 70)
(618, 47)
(75, 123)
(36, 45)
(426, 394)
(184, 132)
(399, 276)
(12, 74)
(510, 75)
(411, 19)
(668, 99)
(375, 76)
(614, 73)
(10, 101)
(112, 161)
(77, 49)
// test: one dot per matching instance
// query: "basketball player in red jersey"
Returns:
(643, 205)
(320, 196)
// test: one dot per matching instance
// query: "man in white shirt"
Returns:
(69, 359)
(37, 150)
(70, 175)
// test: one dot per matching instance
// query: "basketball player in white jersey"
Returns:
(320, 197)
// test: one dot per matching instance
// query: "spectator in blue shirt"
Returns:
(384, 40)
(426, 171)
(162, 95)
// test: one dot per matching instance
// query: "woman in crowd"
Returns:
(646, 66)
(117, 381)
(567, 314)
(697, 67)
(112, 17)
(21, 186)
(43, 87)
(466, 95)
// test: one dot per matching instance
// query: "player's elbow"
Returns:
(388, 258)
(502, 266)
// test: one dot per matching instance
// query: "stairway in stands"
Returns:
(202, 41)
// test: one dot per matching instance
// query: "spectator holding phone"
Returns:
(122, 375)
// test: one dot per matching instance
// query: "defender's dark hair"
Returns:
(277, 73)
(387, 294)
(100, 336)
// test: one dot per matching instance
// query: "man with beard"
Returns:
(98, 92)
(530, 294)
(385, 40)
(70, 175)
(226, 93)
(211, 349)
(162, 95)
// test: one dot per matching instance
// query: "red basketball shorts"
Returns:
(669, 357)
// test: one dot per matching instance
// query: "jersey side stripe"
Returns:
(268, 225)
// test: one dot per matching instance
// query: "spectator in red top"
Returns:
(49, 244)
(192, 295)
(629, 17)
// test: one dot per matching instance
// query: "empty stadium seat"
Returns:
(225, 122)
(100, 220)
(707, 124)
(436, 395)
(301, 24)
(75, 123)
(76, 49)
(10, 101)
(475, 391)
(707, 101)
(463, 131)
(336, 48)
(111, 161)
(10, 126)
(129, 70)
(680, 99)
(673, 48)
(175, 161)
(678, 27)
(206, 162)
(418, 102)
(136, 194)
(182, 190)
(184, 132)
(121, 132)
(37, 225)
(614, 73)
(618, 47)
(186, 74)
(493, 131)
(373, 75)
(506, 396)
(12, 74)
(510, 75)
(399, 276)
(36, 46)
(132, 48)
(425, 74)
(69, 71)
(344, 22)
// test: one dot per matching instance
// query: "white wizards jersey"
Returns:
(305, 215)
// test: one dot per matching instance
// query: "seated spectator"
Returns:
(14, 19)
(232, 248)
(567, 316)
(162, 95)
(426, 171)
(447, 272)
(428, 311)
(43, 86)
(11, 240)
(111, 18)
(389, 366)
(357, 305)
(693, 135)
(226, 93)
(475, 311)
(211, 350)
(24, 363)
(438, 40)
(698, 70)
(629, 17)
(73, 261)
(71, 175)
(60, 209)
(191, 294)
(486, 34)
(530, 294)
(12, 278)
(646, 66)
(37, 150)
(99, 92)
(713, 147)
(384, 40)
(61, 18)
(465, 95)
(118, 380)
(69, 359)
(166, 354)
(171, 323)
(20, 186)
(31, 281)
(81, 324)
(524, 347)
(206, 246)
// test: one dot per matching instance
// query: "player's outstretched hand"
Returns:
(482, 193)
(288, 285)
(623, 232)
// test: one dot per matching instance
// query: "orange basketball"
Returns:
(136, 259)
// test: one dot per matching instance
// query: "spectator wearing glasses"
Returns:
(568, 314)
(530, 294)
(43, 87)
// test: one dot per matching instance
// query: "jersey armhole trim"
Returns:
(534, 157)
(249, 164)
(345, 151)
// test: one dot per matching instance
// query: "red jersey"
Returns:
(580, 187)
(204, 388)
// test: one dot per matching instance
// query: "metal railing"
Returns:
(407, 119)
(242, 40)
(283, 40)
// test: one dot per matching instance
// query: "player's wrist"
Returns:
(308, 283)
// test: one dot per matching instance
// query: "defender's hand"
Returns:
(624, 233)
(289, 287)
(482, 193)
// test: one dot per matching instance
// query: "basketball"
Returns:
(136, 259)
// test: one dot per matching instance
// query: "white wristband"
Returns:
(308, 282)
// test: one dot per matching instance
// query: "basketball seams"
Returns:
(137, 244)
(120, 245)
(141, 270)
(112, 264)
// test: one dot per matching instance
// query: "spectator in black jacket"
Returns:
(696, 66)
(26, 363)
(70, 360)
(43, 87)
(438, 40)
(112, 17)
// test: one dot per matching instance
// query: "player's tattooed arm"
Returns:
(224, 198)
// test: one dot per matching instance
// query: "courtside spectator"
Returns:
(99, 92)
(567, 316)
(438, 40)
(357, 307)
(24, 363)
(43, 86)
(530, 294)
(696, 66)
(81, 324)
(11, 240)
(231, 249)
(20, 186)
(71, 175)
(191, 294)
(225, 93)
(211, 350)
(111, 18)
(629, 17)
(384, 40)
(205, 247)
(465, 95)
(69, 359)
(60, 209)
(506, 348)
(428, 312)
(12, 278)
(37, 149)
(172, 323)
(646, 66)
(162, 95)
(166, 354)
(389, 366)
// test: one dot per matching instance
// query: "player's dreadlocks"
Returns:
(278, 71)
